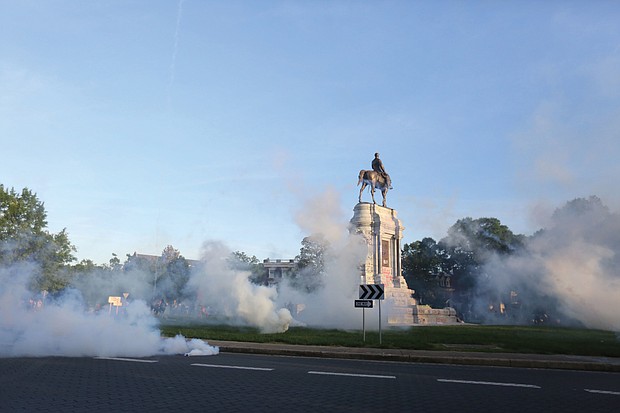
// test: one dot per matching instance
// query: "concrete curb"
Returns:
(563, 362)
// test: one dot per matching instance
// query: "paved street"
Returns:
(242, 383)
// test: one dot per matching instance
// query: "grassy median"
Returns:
(513, 339)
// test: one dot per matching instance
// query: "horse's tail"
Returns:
(361, 177)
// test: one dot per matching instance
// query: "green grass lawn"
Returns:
(513, 339)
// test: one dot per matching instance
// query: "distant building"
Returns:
(277, 269)
(446, 289)
(154, 259)
(445, 281)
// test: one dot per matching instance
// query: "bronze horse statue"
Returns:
(375, 180)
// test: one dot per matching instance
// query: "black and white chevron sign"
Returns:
(371, 292)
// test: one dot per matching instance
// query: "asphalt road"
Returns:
(264, 383)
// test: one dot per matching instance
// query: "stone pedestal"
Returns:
(383, 232)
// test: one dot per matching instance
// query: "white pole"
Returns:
(380, 341)
(364, 322)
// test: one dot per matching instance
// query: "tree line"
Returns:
(450, 272)
(490, 274)
(27, 245)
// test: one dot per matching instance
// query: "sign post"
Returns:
(114, 301)
(380, 335)
(363, 304)
(371, 292)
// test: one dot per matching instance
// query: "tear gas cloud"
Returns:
(71, 324)
(570, 268)
(332, 305)
(33, 325)
(65, 325)
(231, 294)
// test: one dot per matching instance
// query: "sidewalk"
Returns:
(608, 364)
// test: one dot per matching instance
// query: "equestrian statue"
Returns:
(376, 178)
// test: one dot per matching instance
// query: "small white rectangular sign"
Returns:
(115, 301)
(363, 303)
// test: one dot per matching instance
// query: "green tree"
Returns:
(422, 262)
(310, 269)
(169, 272)
(115, 263)
(470, 246)
(461, 256)
(471, 243)
(93, 280)
(141, 262)
(175, 273)
(243, 262)
(85, 266)
(483, 236)
(25, 239)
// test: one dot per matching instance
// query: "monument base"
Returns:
(427, 315)
(403, 309)
(383, 231)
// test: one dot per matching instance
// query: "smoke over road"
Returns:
(62, 326)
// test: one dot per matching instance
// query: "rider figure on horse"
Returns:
(377, 166)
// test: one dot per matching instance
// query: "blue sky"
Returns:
(142, 124)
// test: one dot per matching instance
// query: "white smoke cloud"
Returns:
(570, 146)
(37, 325)
(579, 254)
(331, 305)
(576, 274)
(34, 325)
(322, 214)
(571, 266)
(231, 294)
(97, 285)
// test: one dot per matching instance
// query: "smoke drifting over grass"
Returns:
(62, 326)
(230, 293)
(570, 268)
(332, 304)
(33, 323)
(579, 257)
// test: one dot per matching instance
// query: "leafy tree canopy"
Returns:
(422, 262)
(482, 235)
(24, 238)
(310, 267)
(312, 253)
(243, 262)
(461, 256)
(170, 271)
